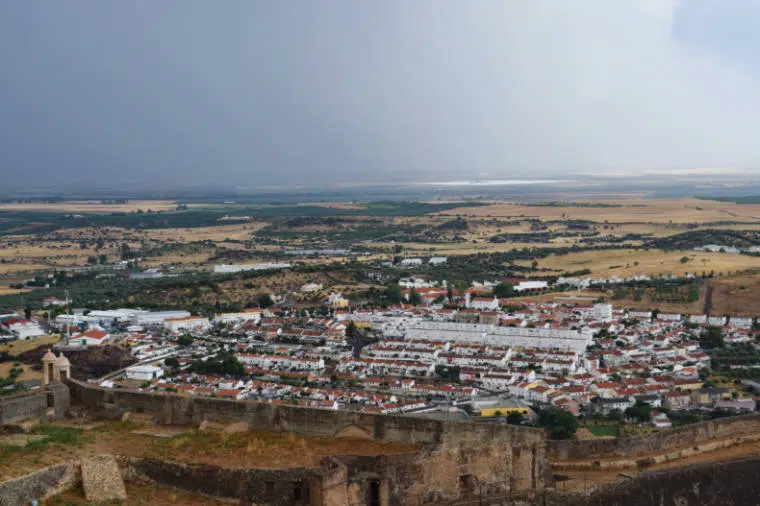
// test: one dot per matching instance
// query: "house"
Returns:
(676, 400)
(52, 301)
(661, 420)
(482, 303)
(92, 337)
(415, 282)
(710, 395)
(687, 384)
(605, 406)
(22, 329)
(409, 262)
(144, 372)
(737, 405)
(526, 285)
(311, 287)
(603, 311)
(187, 324)
(337, 300)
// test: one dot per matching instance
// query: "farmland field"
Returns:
(684, 210)
(91, 206)
(606, 238)
(627, 262)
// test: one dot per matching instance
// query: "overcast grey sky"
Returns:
(304, 92)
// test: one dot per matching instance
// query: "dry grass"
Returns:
(551, 297)
(683, 210)
(261, 449)
(17, 347)
(5, 289)
(93, 206)
(28, 373)
(630, 262)
(238, 232)
(8, 268)
(735, 295)
(142, 494)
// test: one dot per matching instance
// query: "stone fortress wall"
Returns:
(715, 484)
(45, 404)
(659, 442)
(455, 459)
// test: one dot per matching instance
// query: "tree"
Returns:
(515, 418)
(414, 297)
(712, 337)
(642, 412)
(92, 260)
(225, 364)
(171, 362)
(504, 290)
(684, 259)
(393, 293)
(264, 301)
(355, 338)
(103, 259)
(448, 372)
(126, 254)
(561, 424)
(185, 340)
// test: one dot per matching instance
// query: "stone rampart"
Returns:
(22, 406)
(456, 456)
(664, 441)
(718, 484)
(35, 404)
(275, 487)
(182, 410)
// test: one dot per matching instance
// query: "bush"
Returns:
(561, 424)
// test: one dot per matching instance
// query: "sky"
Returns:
(254, 92)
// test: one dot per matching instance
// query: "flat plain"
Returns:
(601, 238)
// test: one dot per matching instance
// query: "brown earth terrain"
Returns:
(141, 495)
(253, 448)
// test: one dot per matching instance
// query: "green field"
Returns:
(612, 430)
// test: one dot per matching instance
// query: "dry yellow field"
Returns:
(238, 232)
(16, 347)
(8, 268)
(7, 290)
(682, 210)
(630, 262)
(28, 373)
(93, 206)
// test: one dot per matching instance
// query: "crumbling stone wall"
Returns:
(720, 484)
(181, 410)
(278, 487)
(35, 404)
(458, 459)
(19, 407)
(36, 485)
(662, 441)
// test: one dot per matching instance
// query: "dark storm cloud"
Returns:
(254, 92)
